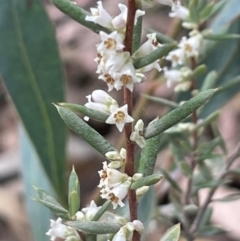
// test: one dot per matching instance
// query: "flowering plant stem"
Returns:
(129, 169)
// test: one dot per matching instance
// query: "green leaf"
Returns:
(73, 193)
(185, 168)
(146, 206)
(146, 181)
(206, 217)
(78, 14)
(211, 230)
(39, 216)
(155, 55)
(51, 203)
(101, 210)
(149, 155)
(86, 132)
(193, 13)
(228, 198)
(177, 114)
(200, 70)
(172, 182)
(162, 101)
(206, 10)
(217, 37)
(172, 234)
(94, 227)
(209, 81)
(162, 38)
(137, 33)
(91, 113)
(32, 71)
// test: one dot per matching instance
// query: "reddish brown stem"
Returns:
(129, 169)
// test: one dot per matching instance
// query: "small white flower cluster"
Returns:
(115, 184)
(187, 48)
(60, 230)
(103, 102)
(115, 65)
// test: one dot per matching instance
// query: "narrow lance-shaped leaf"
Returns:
(172, 182)
(101, 210)
(162, 38)
(94, 227)
(155, 55)
(86, 132)
(91, 113)
(146, 181)
(73, 193)
(137, 33)
(149, 155)
(218, 37)
(177, 114)
(51, 203)
(162, 101)
(173, 234)
(78, 14)
(211, 230)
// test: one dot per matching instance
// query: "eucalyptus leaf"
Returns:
(33, 173)
(94, 227)
(146, 181)
(172, 234)
(31, 69)
(177, 114)
(91, 113)
(86, 132)
(78, 14)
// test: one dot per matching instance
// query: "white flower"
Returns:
(173, 3)
(116, 194)
(111, 177)
(120, 21)
(149, 46)
(191, 45)
(119, 116)
(137, 134)
(176, 57)
(180, 12)
(102, 101)
(126, 78)
(184, 86)
(110, 42)
(100, 16)
(141, 191)
(118, 61)
(125, 233)
(106, 77)
(138, 226)
(91, 210)
(116, 156)
(172, 76)
(62, 231)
